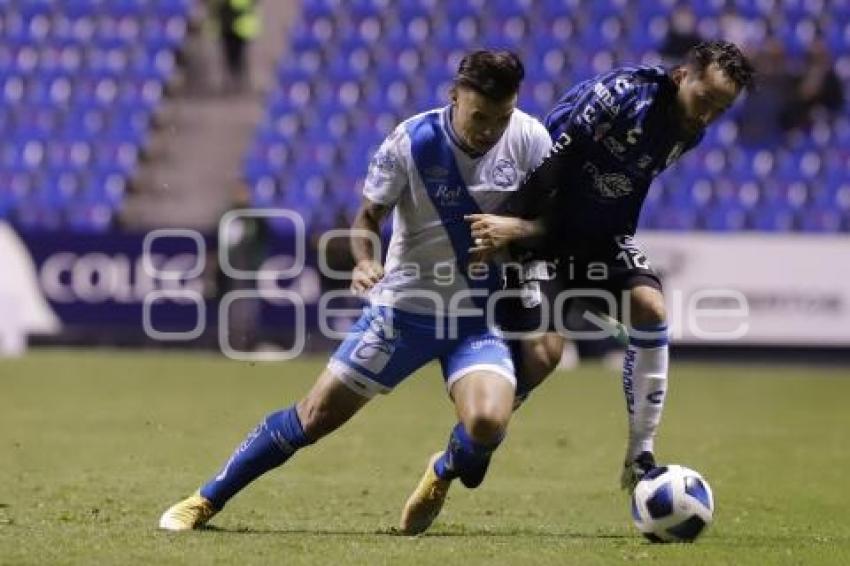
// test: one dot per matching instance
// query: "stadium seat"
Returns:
(772, 219)
(821, 219)
(725, 218)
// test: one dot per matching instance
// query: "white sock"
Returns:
(645, 387)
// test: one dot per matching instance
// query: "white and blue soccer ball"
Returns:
(672, 504)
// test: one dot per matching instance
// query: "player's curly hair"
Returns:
(494, 74)
(728, 57)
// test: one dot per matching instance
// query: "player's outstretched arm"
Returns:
(365, 231)
(491, 232)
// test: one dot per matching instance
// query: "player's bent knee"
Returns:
(484, 401)
(487, 427)
(648, 307)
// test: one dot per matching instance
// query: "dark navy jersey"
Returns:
(613, 134)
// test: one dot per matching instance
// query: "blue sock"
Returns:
(266, 447)
(464, 458)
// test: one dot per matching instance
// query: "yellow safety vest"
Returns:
(247, 25)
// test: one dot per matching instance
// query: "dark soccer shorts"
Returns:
(555, 296)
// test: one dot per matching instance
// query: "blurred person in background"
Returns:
(818, 90)
(239, 23)
(743, 32)
(247, 240)
(681, 36)
(764, 115)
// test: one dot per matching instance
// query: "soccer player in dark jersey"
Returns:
(613, 134)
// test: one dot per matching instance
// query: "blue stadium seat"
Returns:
(89, 218)
(725, 218)
(821, 219)
(672, 218)
(772, 219)
(691, 194)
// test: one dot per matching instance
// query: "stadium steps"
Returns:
(194, 166)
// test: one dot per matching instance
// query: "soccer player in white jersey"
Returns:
(434, 170)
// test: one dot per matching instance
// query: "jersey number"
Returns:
(630, 254)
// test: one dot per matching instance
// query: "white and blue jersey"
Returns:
(424, 173)
(425, 306)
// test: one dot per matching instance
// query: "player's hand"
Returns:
(365, 275)
(491, 232)
(634, 470)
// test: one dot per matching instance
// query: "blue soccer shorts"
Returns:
(386, 345)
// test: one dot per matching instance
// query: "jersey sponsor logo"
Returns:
(622, 85)
(504, 173)
(373, 352)
(448, 196)
(371, 345)
(606, 98)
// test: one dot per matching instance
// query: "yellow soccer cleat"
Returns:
(425, 502)
(191, 513)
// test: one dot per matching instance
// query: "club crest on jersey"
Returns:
(504, 173)
(382, 167)
(613, 185)
(385, 161)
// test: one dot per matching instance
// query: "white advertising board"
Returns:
(754, 289)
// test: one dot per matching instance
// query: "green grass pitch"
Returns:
(94, 446)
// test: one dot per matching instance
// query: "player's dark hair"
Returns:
(728, 57)
(494, 74)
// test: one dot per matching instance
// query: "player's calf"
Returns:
(328, 405)
(535, 359)
(270, 444)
